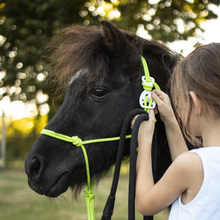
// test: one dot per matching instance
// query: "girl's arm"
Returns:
(179, 177)
(175, 138)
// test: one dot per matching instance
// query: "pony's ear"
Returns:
(114, 39)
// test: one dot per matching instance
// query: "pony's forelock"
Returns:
(71, 49)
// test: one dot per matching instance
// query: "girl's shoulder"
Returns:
(191, 167)
(188, 160)
(186, 167)
(197, 167)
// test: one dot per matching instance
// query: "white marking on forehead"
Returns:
(77, 75)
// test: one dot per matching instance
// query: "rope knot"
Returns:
(77, 141)
(89, 194)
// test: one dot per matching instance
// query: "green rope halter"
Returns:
(146, 102)
(88, 193)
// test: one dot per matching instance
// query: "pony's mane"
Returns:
(75, 47)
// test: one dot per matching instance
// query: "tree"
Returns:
(25, 26)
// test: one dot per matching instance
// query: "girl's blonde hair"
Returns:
(198, 72)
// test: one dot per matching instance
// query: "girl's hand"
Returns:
(163, 104)
(146, 130)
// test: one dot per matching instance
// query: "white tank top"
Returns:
(206, 204)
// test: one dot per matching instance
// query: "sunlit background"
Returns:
(24, 117)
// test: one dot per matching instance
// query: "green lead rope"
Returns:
(88, 193)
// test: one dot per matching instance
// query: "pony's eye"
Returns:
(99, 93)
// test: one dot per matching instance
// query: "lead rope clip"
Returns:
(148, 82)
(145, 99)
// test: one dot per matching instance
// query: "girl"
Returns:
(192, 182)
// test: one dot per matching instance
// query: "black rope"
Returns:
(109, 207)
(108, 210)
(133, 160)
(154, 164)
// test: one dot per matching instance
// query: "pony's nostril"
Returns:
(34, 169)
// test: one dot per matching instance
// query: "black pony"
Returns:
(100, 69)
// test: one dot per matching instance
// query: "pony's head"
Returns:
(101, 71)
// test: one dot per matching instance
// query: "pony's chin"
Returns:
(59, 187)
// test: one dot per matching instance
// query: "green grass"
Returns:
(19, 202)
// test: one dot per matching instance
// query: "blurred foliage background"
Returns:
(26, 25)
